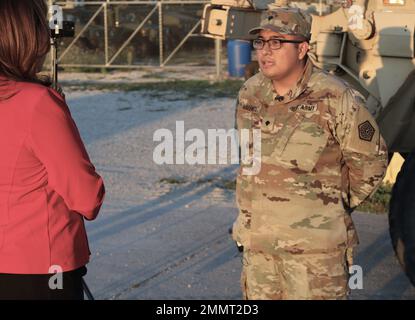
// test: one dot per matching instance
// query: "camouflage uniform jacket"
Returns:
(322, 155)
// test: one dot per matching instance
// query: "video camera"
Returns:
(59, 29)
(67, 31)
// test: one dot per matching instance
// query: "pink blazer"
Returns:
(47, 183)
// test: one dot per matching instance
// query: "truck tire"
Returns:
(402, 217)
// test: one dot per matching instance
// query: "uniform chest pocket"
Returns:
(296, 141)
(305, 145)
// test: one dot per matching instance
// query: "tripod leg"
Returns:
(54, 57)
(86, 290)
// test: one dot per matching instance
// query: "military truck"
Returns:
(370, 44)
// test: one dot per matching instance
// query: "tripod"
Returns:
(54, 62)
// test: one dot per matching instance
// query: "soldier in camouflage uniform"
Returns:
(322, 155)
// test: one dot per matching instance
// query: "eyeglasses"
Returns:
(273, 43)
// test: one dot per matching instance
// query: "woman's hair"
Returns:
(24, 39)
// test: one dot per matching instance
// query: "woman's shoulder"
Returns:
(32, 89)
(37, 95)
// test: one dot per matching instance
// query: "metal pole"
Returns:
(106, 31)
(161, 32)
(54, 60)
(218, 58)
(182, 42)
(132, 2)
(320, 8)
(52, 52)
(125, 66)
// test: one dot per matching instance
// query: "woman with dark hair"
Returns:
(47, 183)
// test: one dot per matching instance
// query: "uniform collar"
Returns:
(293, 93)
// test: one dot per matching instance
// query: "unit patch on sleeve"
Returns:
(366, 131)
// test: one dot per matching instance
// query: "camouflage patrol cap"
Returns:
(286, 21)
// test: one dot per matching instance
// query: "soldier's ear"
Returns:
(303, 48)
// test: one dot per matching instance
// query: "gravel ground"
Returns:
(169, 239)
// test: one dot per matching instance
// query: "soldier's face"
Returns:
(280, 63)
